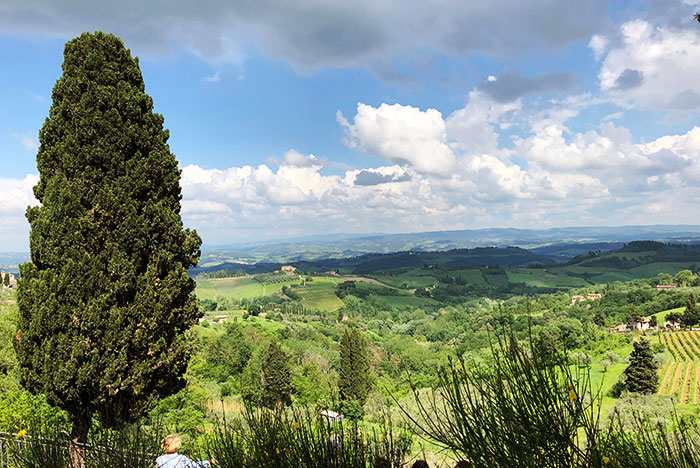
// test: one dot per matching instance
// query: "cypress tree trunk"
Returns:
(78, 439)
(106, 300)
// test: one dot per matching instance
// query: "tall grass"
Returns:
(528, 409)
(259, 438)
(299, 439)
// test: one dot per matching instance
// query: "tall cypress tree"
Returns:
(691, 315)
(276, 377)
(354, 377)
(641, 374)
(106, 300)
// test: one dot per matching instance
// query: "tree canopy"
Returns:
(641, 373)
(105, 300)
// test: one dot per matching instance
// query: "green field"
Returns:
(236, 288)
(319, 294)
(472, 276)
(407, 279)
(544, 278)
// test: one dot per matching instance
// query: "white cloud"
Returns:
(653, 67)
(473, 128)
(296, 159)
(403, 135)
(215, 78)
(598, 44)
(28, 142)
(16, 194)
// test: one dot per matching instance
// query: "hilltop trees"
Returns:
(641, 373)
(105, 301)
(354, 378)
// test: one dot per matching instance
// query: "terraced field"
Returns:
(681, 376)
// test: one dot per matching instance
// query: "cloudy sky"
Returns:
(324, 116)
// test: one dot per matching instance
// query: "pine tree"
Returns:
(276, 377)
(6, 279)
(641, 373)
(354, 378)
(106, 300)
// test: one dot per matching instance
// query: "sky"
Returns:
(292, 119)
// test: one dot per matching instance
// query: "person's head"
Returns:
(171, 443)
(463, 464)
(420, 464)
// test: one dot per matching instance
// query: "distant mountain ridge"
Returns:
(338, 246)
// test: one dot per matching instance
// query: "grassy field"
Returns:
(543, 278)
(319, 294)
(407, 279)
(237, 288)
(472, 276)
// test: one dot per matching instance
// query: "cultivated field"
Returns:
(319, 294)
(681, 376)
(237, 288)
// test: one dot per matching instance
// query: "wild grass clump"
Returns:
(131, 446)
(261, 438)
(529, 408)
(300, 439)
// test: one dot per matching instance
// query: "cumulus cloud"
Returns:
(652, 67)
(15, 196)
(295, 158)
(629, 79)
(473, 129)
(381, 175)
(403, 135)
(511, 84)
(310, 34)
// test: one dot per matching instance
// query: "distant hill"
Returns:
(342, 246)
(568, 251)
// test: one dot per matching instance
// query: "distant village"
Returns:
(643, 324)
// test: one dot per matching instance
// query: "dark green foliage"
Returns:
(641, 373)
(6, 279)
(691, 315)
(598, 319)
(354, 376)
(208, 305)
(276, 377)
(106, 300)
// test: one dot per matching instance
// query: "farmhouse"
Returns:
(642, 324)
(665, 286)
(619, 329)
(288, 269)
(575, 299)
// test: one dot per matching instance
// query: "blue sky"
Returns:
(312, 117)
